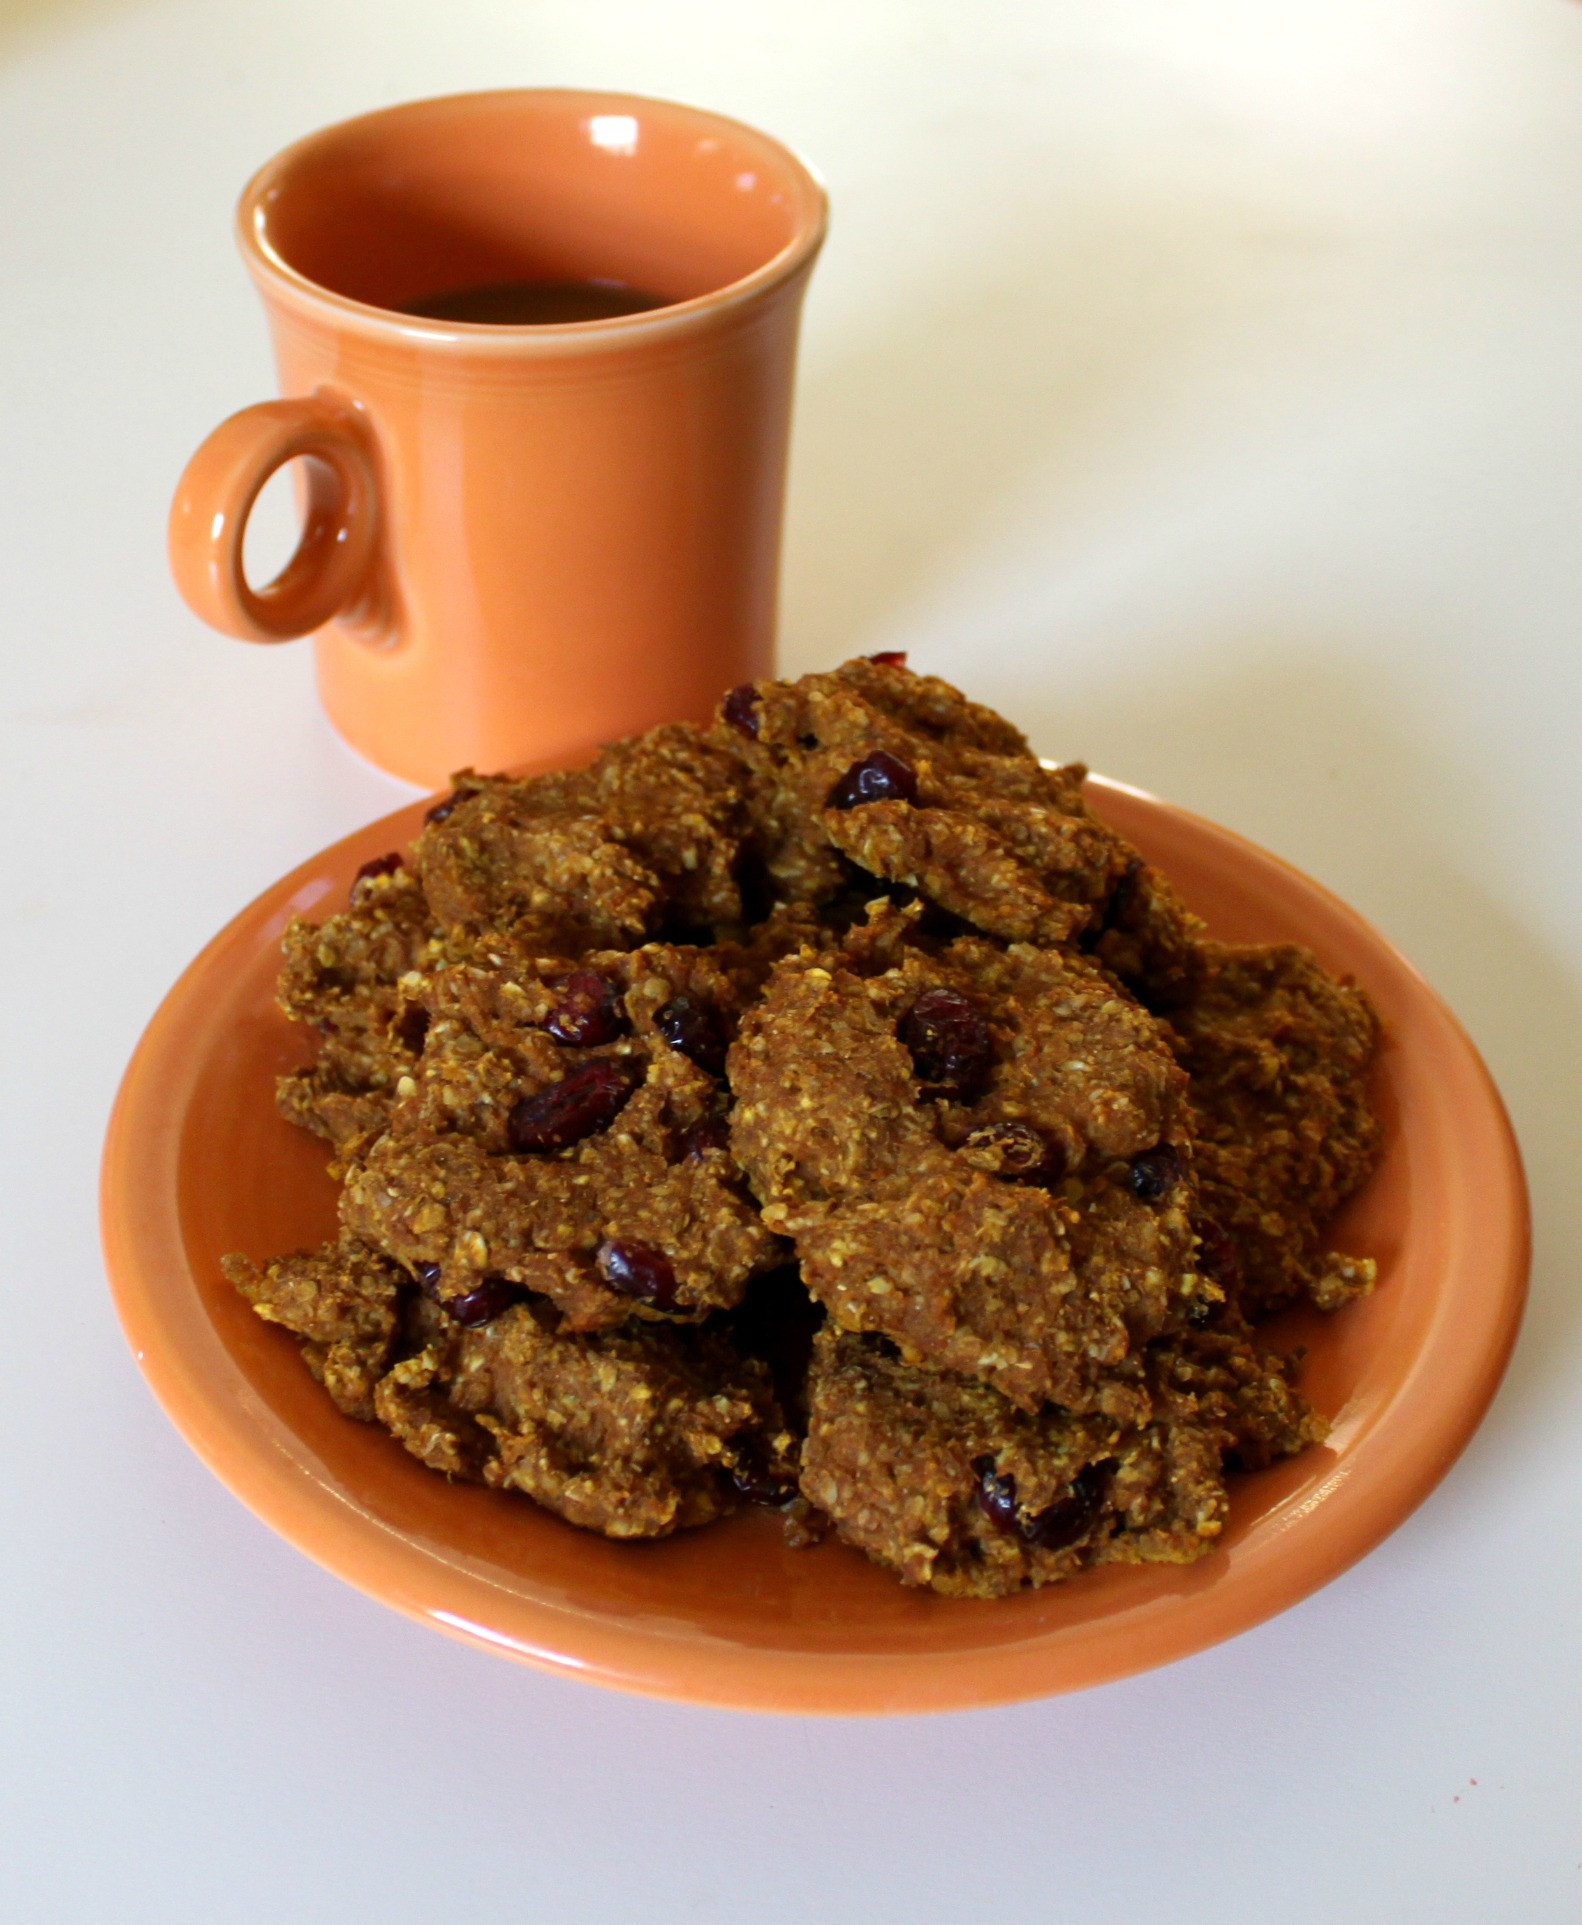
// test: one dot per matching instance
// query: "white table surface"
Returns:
(1199, 380)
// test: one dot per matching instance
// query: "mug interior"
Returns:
(400, 206)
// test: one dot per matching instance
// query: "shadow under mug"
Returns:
(517, 540)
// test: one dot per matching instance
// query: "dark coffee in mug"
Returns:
(536, 303)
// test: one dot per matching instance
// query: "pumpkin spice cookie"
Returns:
(344, 978)
(1224, 1380)
(952, 1486)
(342, 1300)
(1278, 1052)
(901, 776)
(593, 858)
(981, 1154)
(563, 1131)
(634, 1433)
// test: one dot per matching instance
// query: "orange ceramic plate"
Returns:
(197, 1163)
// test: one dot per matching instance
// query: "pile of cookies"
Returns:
(820, 1109)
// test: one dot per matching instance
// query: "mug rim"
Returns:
(276, 275)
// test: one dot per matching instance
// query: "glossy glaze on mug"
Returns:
(575, 528)
(197, 1163)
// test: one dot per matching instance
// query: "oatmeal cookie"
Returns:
(1278, 1052)
(564, 1129)
(633, 1433)
(596, 857)
(982, 1154)
(952, 1486)
(1225, 1381)
(342, 1300)
(901, 776)
(344, 978)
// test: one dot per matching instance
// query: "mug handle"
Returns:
(208, 519)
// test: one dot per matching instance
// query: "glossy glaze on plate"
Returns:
(197, 1163)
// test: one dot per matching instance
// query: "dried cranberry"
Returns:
(479, 1305)
(1017, 1151)
(997, 1495)
(378, 866)
(587, 1010)
(754, 1478)
(880, 777)
(587, 1100)
(1053, 1529)
(950, 1042)
(443, 807)
(1155, 1173)
(1071, 1516)
(484, 1302)
(712, 1133)
(740, 709)
(888, 658)
(638, 1270)
(693, 1030)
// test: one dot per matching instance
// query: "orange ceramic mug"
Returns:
(518, 539)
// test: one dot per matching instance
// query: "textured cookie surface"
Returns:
(592, 1170)
(633, 1433)
(953, 1487)
(1278, 1052)
(979, 1153)
(343, 977)
(900, 776)
(596, 857)
(342, 1300)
